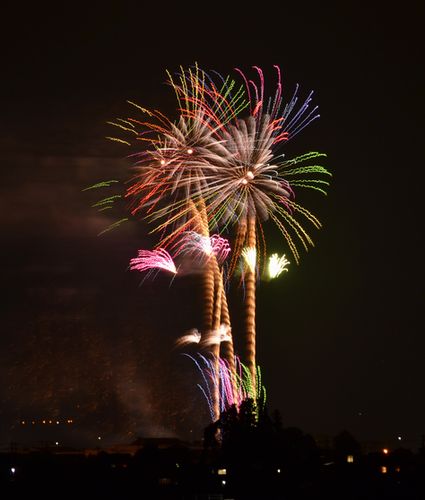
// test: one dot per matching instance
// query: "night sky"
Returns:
(340, 337)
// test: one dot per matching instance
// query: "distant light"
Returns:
(385, 451)
(162, 162)
(250, 174)
(189, 151)
(223, 482)
(99, 438)
(177, 465)
(399, 438)
(397, 469)
(57, 443)
(350, 459)
(278, 471)
(384, 470)
(244, 181)
(57, 422)
(49, 422)
(44, 421)
(23, 422)
(12, 470)
(33, 422)
(222, 472)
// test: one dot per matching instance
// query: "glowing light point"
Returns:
(12, 470)
(399, 438)
(99, 438)
(57, 443)
(162, 162)
(190, 151)
(250, 174)
(277, 265)
(244, 181)
(385, 451)
(250, 257)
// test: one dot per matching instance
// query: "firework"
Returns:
(216, 337)
(200, 246)
(250, 257)
(191, 337)
(277, 265)
(171, 169)
(246, 388)
(153, 259)
(213, 170)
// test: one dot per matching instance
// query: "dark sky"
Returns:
(340, 337)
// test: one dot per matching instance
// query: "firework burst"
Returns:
(277, 265)
(203, 247)
(153, 259)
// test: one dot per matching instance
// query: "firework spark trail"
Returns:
(250, 282)
(153, 259)
(223, 333)
(228, 379)
(227, 345)
(179, 152)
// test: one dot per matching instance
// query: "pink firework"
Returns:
(204, 246)
(153, 259)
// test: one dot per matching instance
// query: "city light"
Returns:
(385, 451)
(222, 472)
(350, 459)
